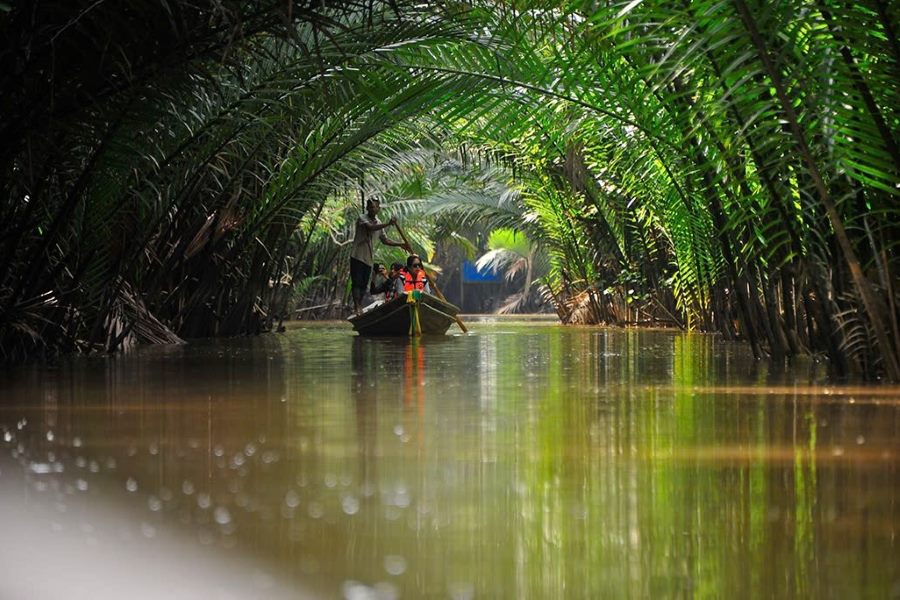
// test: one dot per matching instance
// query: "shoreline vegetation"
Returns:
(173, 171)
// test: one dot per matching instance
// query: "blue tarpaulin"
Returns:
(471, 274)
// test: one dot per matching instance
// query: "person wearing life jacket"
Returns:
(414, 277)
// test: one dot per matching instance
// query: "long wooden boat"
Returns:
(423, 314)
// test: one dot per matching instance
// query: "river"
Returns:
(525, 460)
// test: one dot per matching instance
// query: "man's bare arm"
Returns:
(389, 242)
(376, 227)
(379, 226)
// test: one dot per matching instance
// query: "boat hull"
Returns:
(393, 318)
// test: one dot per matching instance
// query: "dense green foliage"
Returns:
(731, 166)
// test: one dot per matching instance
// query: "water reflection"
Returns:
(522, 461)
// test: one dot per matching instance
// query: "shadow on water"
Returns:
(521, 460)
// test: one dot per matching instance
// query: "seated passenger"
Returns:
(413, 276)
(388, 285)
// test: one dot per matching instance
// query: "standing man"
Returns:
(361, 255)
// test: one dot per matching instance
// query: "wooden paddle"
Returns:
(434, 286)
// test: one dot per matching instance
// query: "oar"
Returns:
(434, 286)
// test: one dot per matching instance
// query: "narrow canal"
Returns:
(526, 460)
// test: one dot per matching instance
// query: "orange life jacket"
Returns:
(411, 283)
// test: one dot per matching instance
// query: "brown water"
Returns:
(522, 461)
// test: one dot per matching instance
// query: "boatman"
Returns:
(361, 254)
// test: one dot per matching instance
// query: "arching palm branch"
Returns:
(741, 164)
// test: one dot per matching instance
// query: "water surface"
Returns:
(525, 460)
